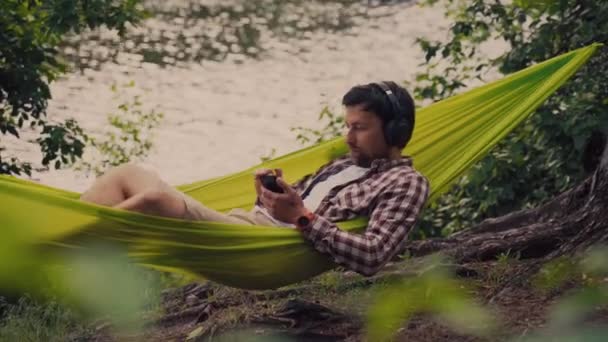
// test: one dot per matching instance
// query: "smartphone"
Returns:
(270, 183)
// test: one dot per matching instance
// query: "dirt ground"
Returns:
(332, 307)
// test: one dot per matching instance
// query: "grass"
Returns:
(46, 319)
(498, 274)
(29, 320)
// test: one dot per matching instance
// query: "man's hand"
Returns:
(262, 172)
(287, 206)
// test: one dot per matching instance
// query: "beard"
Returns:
(361, 159)
(365, 159)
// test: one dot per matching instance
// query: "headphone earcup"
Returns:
(389, 133)
(394, 132)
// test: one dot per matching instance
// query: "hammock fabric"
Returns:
(450, 136)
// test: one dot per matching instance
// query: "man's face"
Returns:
(365, 136)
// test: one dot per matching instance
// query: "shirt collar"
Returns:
(386, 164)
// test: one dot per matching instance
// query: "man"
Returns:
(373, 181)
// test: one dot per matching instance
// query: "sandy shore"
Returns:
(222, 117)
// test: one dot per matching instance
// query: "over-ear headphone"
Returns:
(397, 131)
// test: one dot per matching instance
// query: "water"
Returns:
(233, 78)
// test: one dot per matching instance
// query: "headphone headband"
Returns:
(393, 100)
(397, 130)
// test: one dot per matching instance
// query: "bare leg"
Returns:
(131, 187)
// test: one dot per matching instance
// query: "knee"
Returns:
(130, 171)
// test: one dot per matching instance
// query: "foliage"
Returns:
(437, 292)
(555, 273)
(541, 157)
(30, 32)
(433, 291)
(76, 294)
(83, 285)
(269, 156)
(333, 128)
(128, 139)
(569, 313)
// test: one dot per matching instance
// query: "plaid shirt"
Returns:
(391, 194)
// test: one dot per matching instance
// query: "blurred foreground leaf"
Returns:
(433, 291)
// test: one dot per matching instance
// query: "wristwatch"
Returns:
(305, 220)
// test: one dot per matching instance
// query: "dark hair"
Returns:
(374, 99)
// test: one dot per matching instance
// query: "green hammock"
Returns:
(450, 136)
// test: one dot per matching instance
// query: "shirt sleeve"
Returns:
(395, 213)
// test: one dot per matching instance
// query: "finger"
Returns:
(260, 172)
(270, 195)
(290, 194)
(257, 184)
(267, 196)
(264, 198)
(286, 187)
(279, 173)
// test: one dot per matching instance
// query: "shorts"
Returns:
(196, 211)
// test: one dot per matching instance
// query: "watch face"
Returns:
(303, 221)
